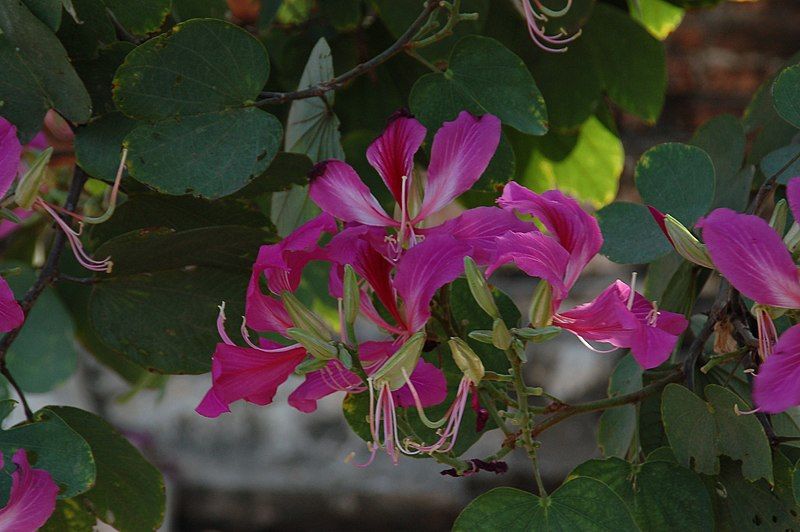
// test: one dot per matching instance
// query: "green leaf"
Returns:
(43, 356)
(129, 492)
(785, 160)
(483, 76)
(210, 155)
(344, 15)
(631, 62)
(581, 504)
(82, 40)
(48, 11)
(689, 424)
(618, 425)
(591, 170)
(289, 209)
(786, 94)
(159, 306)
(139, 18)
(623, 223)
(677, 179)
(54, 447)
(98, 145)
(659, 16)
(287, 169)
(312, 127)
(69, 515)
(97, 73)
(184, 10)
(37, 74)
(723, 139)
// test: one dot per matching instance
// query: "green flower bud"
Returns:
(307, 366)
(345, 357)
(542, 334)
(501, 338)
(485, 337)
(303, 318)
(479, 289)
(779, 216)
(541, 314)
(28, 186)
(315, 347)
(686, 244)
(352, 296)
(792, 238)
(466, 359)
(404, 360)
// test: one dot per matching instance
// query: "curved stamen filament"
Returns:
(592, 348)
(448, 436)
(420, 409)
(73, 237)
(553, 13)
(223, 334)
(767, 334)
(112, 199)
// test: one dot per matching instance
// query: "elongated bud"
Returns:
(779, 216)
(542, 305)
(501, 338)
(28, 186)
(303, 318)
(466, 359)
(483, 336)
(404, 360)
(315, 347)
(792, 237)
(345, 357)
(307, 366)
(536, 336)
(686, 244)
(479, 289)
(352, 296)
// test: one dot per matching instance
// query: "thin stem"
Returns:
(525, 418)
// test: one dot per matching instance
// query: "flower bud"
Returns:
(501, 338)
(686, 244)
(307, 366)
(479, 289)
(466, 359)
(352, 295)
(482, 336)
(541, 314)
(542, 334)
(315, 347)
(792, 238)
(404, 360)
(28, 186)
(779, 216)
(303, 318)
(345, 357)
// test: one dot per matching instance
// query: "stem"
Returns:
(525, 419)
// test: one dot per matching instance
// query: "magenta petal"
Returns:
(430, 384)
(10, 154)
(537, 255)
(777, 384)
(32, 499)
(424, 269)
(793, 196)
(263, 312)
(460, 153)
(318, 384)
(11, 315)
(752, 256)
(338, 190)
(576, 230)
(480, 228)
(250, 374)
(392, 154)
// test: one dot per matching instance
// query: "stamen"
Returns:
(767, 335)
(632, 295)
(592, 348)
(652, 316)
(420, 409)
(112, 199)
(73, 237)
(221, 325)
(743, 413)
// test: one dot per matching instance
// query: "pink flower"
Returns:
(11, 315)
(777, 385)
(32, 499)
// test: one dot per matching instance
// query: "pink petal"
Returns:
(392, 154)
(10, 154)
(11, 315)
(480, 228)
(777, 384)
(430, 384)
(793, 197)
(32, 499)
(536, 254)
(577, 231)
(338, 190)
(424, 269)
(752, 256)
(250, 374)
(460, 153)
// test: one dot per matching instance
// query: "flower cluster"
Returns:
(388, 269)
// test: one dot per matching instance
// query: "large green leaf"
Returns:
(139, 18)
(159, 305)
(618, 425)
(723, 139)
(581, 504)
(128, 493)
(97, 72)
(483, 76)
(659, 16)
(98, 145)
(677, 179)
(48, 11)
(95, 28)
(37, 74)
(783, 162)
(786, 95)
(70, 515)
(624, 223)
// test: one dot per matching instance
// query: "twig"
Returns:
(769, 184)
(318, 90)
(48, 273)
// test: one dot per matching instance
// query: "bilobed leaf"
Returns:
(48, 11)
(677, 179)
(287, 169)
(689, 424)
(98, 145)
(139, 18)
(723, 139)
(128, 493)
(312, 127)
(581, 504)
(786, 95)
(783, 162)
(623, 223)
(483, 76)
(37, 74)
(618, 425)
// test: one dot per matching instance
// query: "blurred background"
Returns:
(276, 469)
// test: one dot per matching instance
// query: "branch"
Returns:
(318, 90)
(567, 411)
(47, 275)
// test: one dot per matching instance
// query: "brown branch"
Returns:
(318, 90)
